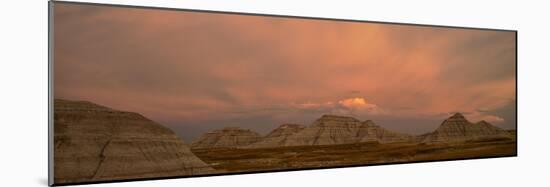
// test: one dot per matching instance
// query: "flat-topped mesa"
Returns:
(96, 143)
(457, 129)
(277, 137)
(228, 137)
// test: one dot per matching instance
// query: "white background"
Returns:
(23, 93)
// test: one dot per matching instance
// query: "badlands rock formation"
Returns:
(368, 131)
(327, 130)
(96, 143)
(278, 137)
(456, 129)
(229, 137)
(332, 129)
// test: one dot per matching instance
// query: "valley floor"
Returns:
(305, 157)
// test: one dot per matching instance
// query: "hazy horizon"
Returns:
(194, 72)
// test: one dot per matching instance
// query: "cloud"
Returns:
(476, 116)
(483, 109)
(355, 106)
(503, 114)
(313, 106)
(492, 119)
(190, 67)
(358, 105)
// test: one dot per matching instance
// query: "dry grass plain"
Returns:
(285, 158)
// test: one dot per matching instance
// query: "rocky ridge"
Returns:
(333, 129)
(96, 143)
(229, 137)
(278, 137)
(457, 129)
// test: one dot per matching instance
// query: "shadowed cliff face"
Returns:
(96, 143)
(457, 128)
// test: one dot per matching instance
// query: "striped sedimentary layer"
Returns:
(96, 143)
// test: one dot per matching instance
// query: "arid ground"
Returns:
(282, 158)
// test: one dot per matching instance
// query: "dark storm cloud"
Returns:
(506, 112)
(196, 71)
(488, 56)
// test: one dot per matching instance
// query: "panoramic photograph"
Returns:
(142, 93)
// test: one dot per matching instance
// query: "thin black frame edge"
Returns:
(277, 15)
(50, 94)
(51, 6)
(517, 91)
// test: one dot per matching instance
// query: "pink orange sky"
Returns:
(195, 72)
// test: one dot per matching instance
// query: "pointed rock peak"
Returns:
(457, 115)
(456, 118)
(457, 128)
(483, 122)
